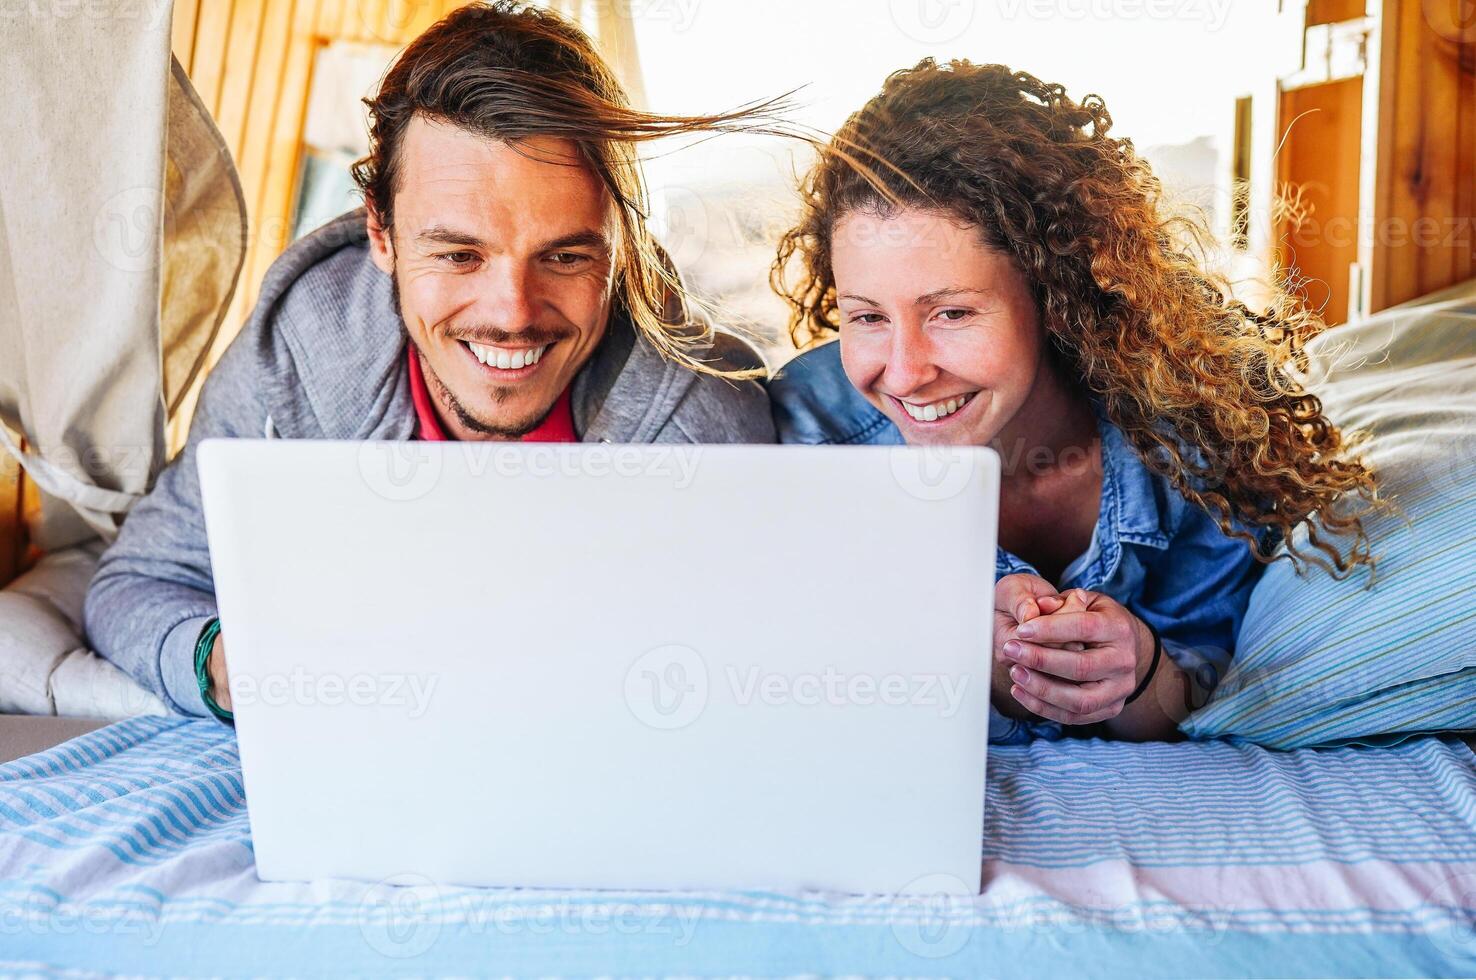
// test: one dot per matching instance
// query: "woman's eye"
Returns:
(868, 318)
(953, 316)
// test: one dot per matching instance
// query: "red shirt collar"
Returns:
(558, 427)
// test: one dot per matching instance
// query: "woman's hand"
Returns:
(1079, 661)
(1018, 598)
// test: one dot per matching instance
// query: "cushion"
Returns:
(1382, 656)
(45, 666)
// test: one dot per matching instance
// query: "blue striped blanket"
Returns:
(128, 850)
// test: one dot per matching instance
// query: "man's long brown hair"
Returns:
(511, 72)
(1204, 388)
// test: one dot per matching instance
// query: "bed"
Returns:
(128, 849)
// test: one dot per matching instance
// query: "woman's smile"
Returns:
(935, 412)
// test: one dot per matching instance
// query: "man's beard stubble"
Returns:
(444, 396)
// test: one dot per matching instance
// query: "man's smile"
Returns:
(507, 363)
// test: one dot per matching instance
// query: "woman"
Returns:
(1000, 272)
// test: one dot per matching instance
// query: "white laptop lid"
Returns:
(609, 666)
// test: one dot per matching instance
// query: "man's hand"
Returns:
(220, 689)
(1078, 664)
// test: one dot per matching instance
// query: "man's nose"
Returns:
(910, 362)
(506, 297)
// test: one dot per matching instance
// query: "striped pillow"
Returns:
(1320, 661)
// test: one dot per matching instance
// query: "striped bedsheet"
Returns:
(128, 850)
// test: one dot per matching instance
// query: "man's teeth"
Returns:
(507, 358)
(936, 410)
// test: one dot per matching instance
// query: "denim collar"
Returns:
(1131, 510)
(815, 404)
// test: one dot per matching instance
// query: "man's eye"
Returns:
(458, 258)
(568, 259)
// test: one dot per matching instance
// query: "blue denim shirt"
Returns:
(1152, 550)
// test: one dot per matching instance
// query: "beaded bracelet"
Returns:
(203, 647)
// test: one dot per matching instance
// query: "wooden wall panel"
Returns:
(1332, 11)
(252, 61)
(208, 58)
(1320, 160)
(12, 528)
(282, 146)
(182, 37)
(1425, 189)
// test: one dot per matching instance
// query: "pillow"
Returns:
(1321, 661)
(45, 667)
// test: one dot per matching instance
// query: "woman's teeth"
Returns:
(934, 411)
(505, 357)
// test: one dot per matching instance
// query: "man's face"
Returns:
(502, 259)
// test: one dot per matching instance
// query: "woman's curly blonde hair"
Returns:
(1202, 386)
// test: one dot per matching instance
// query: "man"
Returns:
(499, 284)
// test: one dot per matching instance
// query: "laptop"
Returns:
(601, 666)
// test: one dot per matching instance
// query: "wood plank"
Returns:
(1427, 163)
(352, 22)
(208, 59)
(1333, 11)
(1403, 76)
(409, 19)
(182, 31)
(30, 516)
(392, 20)
(12, 530)
(254, 159)
(240, 73)
(1320, 160)
(1440, 94)
(330, 15)
(1464, 216)
(278, 192)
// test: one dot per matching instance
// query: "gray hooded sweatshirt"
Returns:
(323, 356)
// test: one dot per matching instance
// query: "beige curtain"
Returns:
(122, 230)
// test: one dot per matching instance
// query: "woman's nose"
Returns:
(910, 363)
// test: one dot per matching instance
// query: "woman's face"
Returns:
(937, 330)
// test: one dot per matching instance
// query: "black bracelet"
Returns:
(1152, 667)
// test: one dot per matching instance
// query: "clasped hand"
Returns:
(1073, 658)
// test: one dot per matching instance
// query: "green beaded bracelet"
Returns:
(202, 669)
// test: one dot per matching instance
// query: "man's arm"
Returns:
(153, 592)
